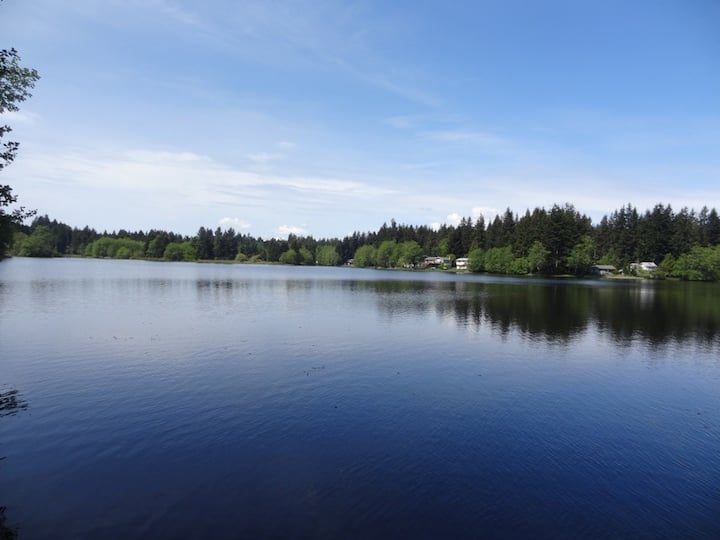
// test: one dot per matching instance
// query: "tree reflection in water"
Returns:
(11, 402)
(6, 533)
(559, 311)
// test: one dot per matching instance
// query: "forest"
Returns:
(559, 241)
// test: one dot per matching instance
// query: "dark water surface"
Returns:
(153, 400)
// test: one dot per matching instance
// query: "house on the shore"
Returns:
(461, 263)
(436, 262)
(644, 266)
(602, 269)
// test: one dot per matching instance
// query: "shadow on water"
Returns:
(11, 402)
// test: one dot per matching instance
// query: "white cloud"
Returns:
(234, 222)
(284, 230)
(487, 212)
(453, 219)
(286, 145)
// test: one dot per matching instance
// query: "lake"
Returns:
(184, 400)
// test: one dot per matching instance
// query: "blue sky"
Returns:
(326, 117)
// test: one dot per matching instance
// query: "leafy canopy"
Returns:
(15, 84)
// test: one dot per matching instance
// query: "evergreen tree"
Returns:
(204, 244)
(685, 232)
(479, 238)
(712, 228)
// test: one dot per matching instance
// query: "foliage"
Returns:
(388, 254)
(225, 244)
(610, 258)
(520, 266)
(582, 256)
(306, 257)
(476, 260)
(442, 248)
(410, 253)
(156, 246)
(327, 255)
(204, 244)
(15, 84)
(365, 256)
(537, 257)
(667, 267)
(179, 251)
(302, 256)
(701, 264)
(499, 260)
(290, 257)
(115, 248)
(39, 244)
(565, 229)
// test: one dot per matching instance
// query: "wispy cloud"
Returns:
(172, 10)
(162, 9)
(184, 172)
(401, 122)
(157, 180)
(409, 92)
(288, 34)
(472, 137)
(264, 158)
(19, 117)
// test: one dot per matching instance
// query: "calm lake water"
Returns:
(179, 400)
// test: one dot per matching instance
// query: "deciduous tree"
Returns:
(537, 256)
(327, 255)
(15, 84)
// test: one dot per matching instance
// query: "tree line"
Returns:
(557, 241)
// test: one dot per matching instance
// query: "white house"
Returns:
(461, 263)
(434, 262)
(644, 266)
